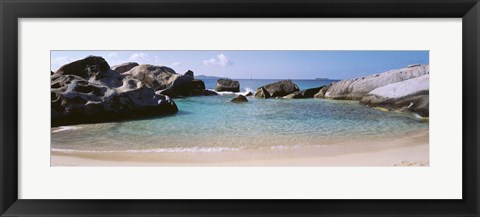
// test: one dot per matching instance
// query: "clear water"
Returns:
(213, 123)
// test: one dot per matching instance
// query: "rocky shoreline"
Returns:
(90, 91)
(405, 89)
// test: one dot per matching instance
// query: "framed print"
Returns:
(203, 108)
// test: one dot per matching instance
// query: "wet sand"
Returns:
(407, 149)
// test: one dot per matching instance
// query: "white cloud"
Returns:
(175, 64)
(61, 60)
(221, 60)
(57, 62)
(112, 54)
(138, 56)
(157, 61)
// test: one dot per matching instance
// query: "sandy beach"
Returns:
(407, 149)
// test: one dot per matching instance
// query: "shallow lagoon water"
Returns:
(213, 123)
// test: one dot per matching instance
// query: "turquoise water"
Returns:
(213, 123)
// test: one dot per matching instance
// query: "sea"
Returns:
(214, 124)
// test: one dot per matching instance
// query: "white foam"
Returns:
(279, 147)
(154, 150)
(65, 128)
(247, 90)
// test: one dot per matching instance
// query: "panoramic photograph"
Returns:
(327, 108)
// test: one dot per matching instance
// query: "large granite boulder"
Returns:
(277, 89)
(310, 93)
(184, 85)
(409, 95)
(124, 67)
(88, 91)
(239, 99)
(91, 66)
(262, 93)
(168, 82)
(322, 91)
(307, 93)
(355, 89)
(156, 77)
(294, 95)
(225, 84)
(405, 89)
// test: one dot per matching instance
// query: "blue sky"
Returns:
(260, 64)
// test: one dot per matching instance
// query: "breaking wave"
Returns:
(65, 128)
(155, 150)
(245, 92)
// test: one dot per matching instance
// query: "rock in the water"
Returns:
(322, 91)
(355, 89)
(167, 82)
(99, 94)
(307, 93)
(310, 93)
(209, 93)
(225, 84)
(262, 93)
(294, 95)
(277, 89)
(240, 99)
(184, 85)
(409, 95)
(198, 84)
(249, 93)
(189, 73)
(124, 67)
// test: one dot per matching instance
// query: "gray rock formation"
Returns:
(168, 82)
(240, 99)
(124, 67)
(355, 89)
(409, 95)
(322, 91)
(189, 73)
(307, 93)
(277, 89)
(405, 89)
(156, 77)
(294, 95)
(88, 91)
(262, 93)
(310, 93)
(209, 93)
(225, 84)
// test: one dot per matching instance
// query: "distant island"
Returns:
(326, 79)
(206, 77)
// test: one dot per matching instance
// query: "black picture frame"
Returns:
(12, 10)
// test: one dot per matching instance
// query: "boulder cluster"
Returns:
(89, 91)
(226, 84)
(405, 89)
